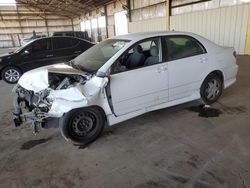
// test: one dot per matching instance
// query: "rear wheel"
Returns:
(82, 126)
(11, 74)
(211, 89)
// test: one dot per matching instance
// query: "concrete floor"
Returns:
(173, 147)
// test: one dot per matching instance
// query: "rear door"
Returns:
(83, 45)
(63, 49)
(187, 64)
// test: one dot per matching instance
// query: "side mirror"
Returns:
(107, 74)
(104, 84)
(26, 52)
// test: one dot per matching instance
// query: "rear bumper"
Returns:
(230, 75)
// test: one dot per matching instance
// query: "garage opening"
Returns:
(121, 23)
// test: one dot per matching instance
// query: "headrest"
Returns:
(154, 51)
(189, 44)
(138, 49)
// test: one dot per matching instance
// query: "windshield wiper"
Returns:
(70, 63)
(78, 67)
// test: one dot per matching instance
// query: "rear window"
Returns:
(77, 34)
(69, 34)
(75, 42)
(57, 34)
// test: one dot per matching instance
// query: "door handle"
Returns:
(50, 55)
(162, 69)
(203, 60)
(76, 52)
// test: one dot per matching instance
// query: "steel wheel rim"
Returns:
(213, 89)
(12, 75)
(83, 125)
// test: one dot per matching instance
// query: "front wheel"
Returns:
(11, 74)
(82, 126)
(211, 89)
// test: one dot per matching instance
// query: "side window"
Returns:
(75, 42)
(41, 46)
(146, 45)
(142, 54)
(60, 43)
(85, 35)
(78, 35)
(182, 46)
(57, 34)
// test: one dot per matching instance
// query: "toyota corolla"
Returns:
(121, 78)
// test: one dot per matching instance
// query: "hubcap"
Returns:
(83, 124)
(12, 75)
(212, 89)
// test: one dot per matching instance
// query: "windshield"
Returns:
(98, 55)
(22, 47)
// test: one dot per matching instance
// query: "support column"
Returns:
(247, 44)
(46, 24)
(129, 10)
(72, 24)
(106, 20)
(168, 13)
(21, 28)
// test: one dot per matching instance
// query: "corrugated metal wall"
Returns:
(148, 16)
(155, 24)
(225, 26)
(19, 22)
(111, 10)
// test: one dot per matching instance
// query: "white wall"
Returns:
(225, 26)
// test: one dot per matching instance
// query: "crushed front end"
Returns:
(43, 96)
(32, 108)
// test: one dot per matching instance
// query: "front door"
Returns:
(37, 54)
(143, 85)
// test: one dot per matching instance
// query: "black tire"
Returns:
(82, 126)
(11, 74)
(211, 88)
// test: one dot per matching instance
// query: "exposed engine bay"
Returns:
(64, 81)
(35, 107)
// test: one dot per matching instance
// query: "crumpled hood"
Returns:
(38, 79)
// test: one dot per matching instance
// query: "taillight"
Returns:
(235, 54)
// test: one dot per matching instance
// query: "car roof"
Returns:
(70, 31)
(145, 35)
(71, 37)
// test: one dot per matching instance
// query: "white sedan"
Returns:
(121, 78)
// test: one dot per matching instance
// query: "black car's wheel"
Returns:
(82, 126)
(11, 74)
(211, 89)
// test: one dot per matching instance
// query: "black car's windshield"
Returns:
(23, 47)
(98, 55)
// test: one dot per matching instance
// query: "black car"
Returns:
(38, 53)
(78, 34)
